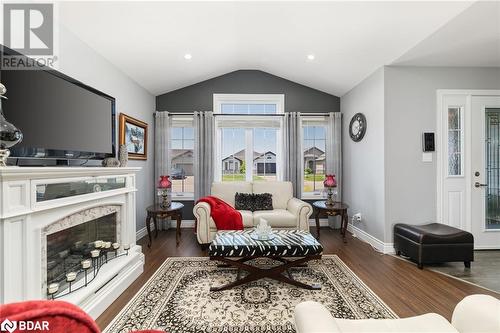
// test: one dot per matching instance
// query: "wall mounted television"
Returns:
(60, 118)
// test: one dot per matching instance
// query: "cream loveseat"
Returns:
(288, 212)
(473, 314)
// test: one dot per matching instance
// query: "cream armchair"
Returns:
(288, 212)
(473, 314)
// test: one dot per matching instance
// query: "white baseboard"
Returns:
(173, 224)
(385, 248)
(481, 247)
(141, 233)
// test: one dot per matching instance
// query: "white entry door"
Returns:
(485, 169)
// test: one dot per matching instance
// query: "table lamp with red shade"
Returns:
(330, 183)
(165, 191)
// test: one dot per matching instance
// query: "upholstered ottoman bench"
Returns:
(433, 243)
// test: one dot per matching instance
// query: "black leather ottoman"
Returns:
(433, 243)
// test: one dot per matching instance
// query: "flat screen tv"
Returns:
(60, 118)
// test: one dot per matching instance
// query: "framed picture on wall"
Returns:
(134, 135)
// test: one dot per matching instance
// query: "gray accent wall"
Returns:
(199, 96)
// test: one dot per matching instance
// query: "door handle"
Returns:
(478, 184)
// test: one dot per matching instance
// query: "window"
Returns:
(181, 154)
(455, 141)
(313, 155)
(249, 138)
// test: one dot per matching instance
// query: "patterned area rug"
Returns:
(177, 298)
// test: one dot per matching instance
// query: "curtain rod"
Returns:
(246, 114)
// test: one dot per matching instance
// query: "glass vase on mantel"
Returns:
(123, 155)
(164, 191)
(10, 135)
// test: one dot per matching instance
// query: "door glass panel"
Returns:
(492, 146)
(454, 141)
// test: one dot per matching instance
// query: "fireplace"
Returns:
(70, 241)
(66, 249)
(42, 239)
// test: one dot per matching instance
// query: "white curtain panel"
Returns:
(162, 148)
(292, 154)
(334, 149)
(204, 153)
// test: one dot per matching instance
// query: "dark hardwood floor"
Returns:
(401, 285)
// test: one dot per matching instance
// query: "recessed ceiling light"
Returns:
(188, 56)
(310, 57)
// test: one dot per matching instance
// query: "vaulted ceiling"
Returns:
(349, 40)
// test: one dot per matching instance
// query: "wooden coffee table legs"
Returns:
(256, 273)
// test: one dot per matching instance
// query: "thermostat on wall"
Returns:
(428, 142)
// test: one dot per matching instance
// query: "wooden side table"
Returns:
(338, 208)
(156, 211)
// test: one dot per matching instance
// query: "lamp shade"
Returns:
(164, 182)
(330, 181)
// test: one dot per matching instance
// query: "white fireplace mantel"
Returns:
(24, 216)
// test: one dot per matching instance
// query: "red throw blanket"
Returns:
(225, 216)
(48, 317)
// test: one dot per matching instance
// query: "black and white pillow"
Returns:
(253, 202)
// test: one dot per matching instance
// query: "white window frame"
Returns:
(182, 196)
(278, 100)
(324, 122)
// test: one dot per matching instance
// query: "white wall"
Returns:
(410, 109)
(363, 162)
(79, 61)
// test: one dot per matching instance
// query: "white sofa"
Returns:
(288, 213)
(474, 314)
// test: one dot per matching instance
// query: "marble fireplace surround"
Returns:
(72, 220)
(26, 220)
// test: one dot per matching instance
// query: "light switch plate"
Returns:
(427, 157)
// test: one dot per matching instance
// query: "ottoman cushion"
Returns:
(433, 233)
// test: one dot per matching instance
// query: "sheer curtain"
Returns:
(334, 149)
(162, 148)
(204, 152)
(292, 154)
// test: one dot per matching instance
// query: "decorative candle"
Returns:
(126, 246)
(71, 276)
(116, 246)
(98, 244)
(53, 288)
(86, 264)
(95, 253)
(107, 245)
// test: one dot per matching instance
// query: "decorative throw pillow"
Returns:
(243, 201)
(263, 201)
(253, 202)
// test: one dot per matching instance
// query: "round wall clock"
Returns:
(357, 127)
